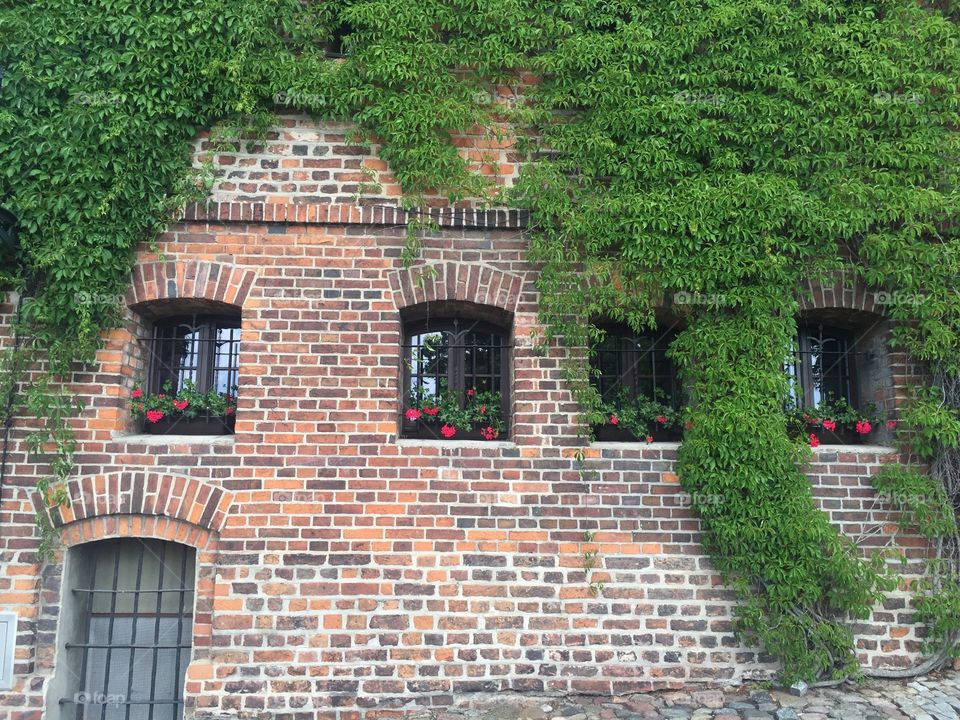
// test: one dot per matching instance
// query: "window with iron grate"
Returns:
(129, 618)
(456, 380)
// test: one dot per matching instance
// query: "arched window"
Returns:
(824, 366)
(193, 365)
(637, 382)
(126, 630)
(837, 380)
(456, 379)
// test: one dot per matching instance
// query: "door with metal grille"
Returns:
(135, 599)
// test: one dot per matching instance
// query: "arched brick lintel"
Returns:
(138, 526)
(190, 280)
(468, 282)
(842, 291)
(144, 494)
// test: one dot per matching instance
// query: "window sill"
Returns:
(421, 442)
(857, 447)
(634, 444)
(161, 440)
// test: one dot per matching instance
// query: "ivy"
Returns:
(726, 150)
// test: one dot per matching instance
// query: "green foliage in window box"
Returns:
(186, 402)
(641, 416)
(837, 418)
(479, 410)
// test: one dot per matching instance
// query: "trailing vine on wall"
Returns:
(724, 149)
(727, 151)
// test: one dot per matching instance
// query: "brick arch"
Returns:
(157, 528)
(147, 495)
(842, 291)
(468, 282)
(190, 280)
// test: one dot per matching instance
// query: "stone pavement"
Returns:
(931, 697)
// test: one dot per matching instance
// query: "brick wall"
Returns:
(343, 569)
(306, 162)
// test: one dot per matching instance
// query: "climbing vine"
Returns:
(726, 150)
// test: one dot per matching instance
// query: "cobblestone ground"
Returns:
(932, 697)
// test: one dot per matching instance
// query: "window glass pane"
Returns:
(459, 355)
(204, 351)
(176, 356)
(633, 366)
(429, 361)
(226, 359)
(824, 372)
(606, 359)
(481, 370)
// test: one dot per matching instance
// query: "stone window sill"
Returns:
(418, 442)
(154, 440)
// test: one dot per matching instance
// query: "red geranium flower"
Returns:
(470, 392)
(413, 414)
(891, 424)
(829, 425)
(489, 433)
(154, 416)
(137, 393)
(614, 420)
(688, 425)
(229, 410)
(649, 438)
(431, 411)
(448, 431)
(180, 404)
(814, 441)
(483, 409)
(163, 395)
(662, 419)
(864, 427)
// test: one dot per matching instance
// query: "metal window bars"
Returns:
(457, 355)
(825, 366)
(137, 630)
(204, 350)
(637, 366)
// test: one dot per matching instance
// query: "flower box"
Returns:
(182, 425)
(615, 433)
(474, 415)
(839, 436)
(432, 431)
(185, 411)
